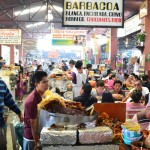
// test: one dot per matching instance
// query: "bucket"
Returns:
(130, 136)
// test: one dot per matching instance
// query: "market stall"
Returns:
(64, 122)
(9, 75)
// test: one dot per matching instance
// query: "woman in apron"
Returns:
(78, 77)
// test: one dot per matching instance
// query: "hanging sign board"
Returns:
(52, 54)
(10, 36)
(143, 9)
(29, 44)
(68, 37)
(67, 34)
(93, 13)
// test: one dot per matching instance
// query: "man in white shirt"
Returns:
(138, 86)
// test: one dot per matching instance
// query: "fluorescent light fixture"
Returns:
(35, 9)
(34, 24)
(31, 10)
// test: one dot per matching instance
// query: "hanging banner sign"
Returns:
(29, 44)
(95, 13)
(10, 36)
(68, 37)
(67, 34)
(53, 54)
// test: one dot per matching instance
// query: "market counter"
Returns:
(95, 135)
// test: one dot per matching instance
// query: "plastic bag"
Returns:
(19, 130)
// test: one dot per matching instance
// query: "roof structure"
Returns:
(36, 18)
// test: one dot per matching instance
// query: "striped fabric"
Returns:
(6, 100)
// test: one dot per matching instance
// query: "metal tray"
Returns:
(46, 119)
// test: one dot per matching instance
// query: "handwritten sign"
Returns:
(95, 13)
(10, 36)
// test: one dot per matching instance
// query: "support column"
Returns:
(20, 52)
(11, 54)
(97, 57)
(0, 50)
(89, 51)
(145, 28)
(113, 48)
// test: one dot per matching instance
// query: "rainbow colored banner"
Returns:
(62, 42)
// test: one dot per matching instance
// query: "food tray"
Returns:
(46, 119)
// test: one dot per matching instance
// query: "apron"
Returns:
(81, 79)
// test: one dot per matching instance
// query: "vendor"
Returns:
(78, 77)
(71, 64)
(31, 138)
(86, 99)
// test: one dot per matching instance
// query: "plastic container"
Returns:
(130, 136)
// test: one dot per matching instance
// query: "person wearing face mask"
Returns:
(97, 92)
(78, 77)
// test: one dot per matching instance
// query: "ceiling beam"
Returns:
(32, 21)
(25, 4)
(15, 21)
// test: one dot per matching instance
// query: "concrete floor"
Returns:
(10, 119)
(87, 147)
(96, 147)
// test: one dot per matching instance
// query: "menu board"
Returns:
(93, 13)
(10, 36)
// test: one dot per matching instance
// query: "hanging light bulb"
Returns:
(126, 42)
